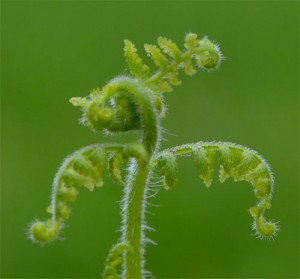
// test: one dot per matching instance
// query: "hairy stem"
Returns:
(134, 102)
(134, 199)
(133, 218)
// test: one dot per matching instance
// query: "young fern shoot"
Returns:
(135, 102)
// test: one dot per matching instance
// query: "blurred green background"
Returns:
(52, 51)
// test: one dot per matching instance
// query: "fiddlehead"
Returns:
(136, 102)
(235, 161)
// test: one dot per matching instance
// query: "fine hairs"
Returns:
(136, 102)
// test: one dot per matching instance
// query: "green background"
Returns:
(52, 51)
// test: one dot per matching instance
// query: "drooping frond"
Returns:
(86, 167)
(236, 161)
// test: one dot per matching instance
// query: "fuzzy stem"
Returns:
(134, 199)
(133, 219)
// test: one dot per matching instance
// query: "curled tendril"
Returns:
(236, 161)
(122, 105)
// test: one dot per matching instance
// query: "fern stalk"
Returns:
(133, 220)
(135, 102)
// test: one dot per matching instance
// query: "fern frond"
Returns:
(238, 162)
(205, 53)
(135, 102)
(86, 167)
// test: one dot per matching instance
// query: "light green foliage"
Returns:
(136, 102)
(86, 167)
(206, 55)
(237, 162)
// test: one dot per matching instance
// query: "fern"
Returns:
(136, 102)
(236, 161)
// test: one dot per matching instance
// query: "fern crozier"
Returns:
(136, 102)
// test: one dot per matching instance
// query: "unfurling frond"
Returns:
(135, 102)
(86, 167)
(238, 162)
(208, 55)
(43, 232)
(205, 53)
(170, 59)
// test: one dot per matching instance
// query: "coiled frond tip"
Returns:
(43, 232)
